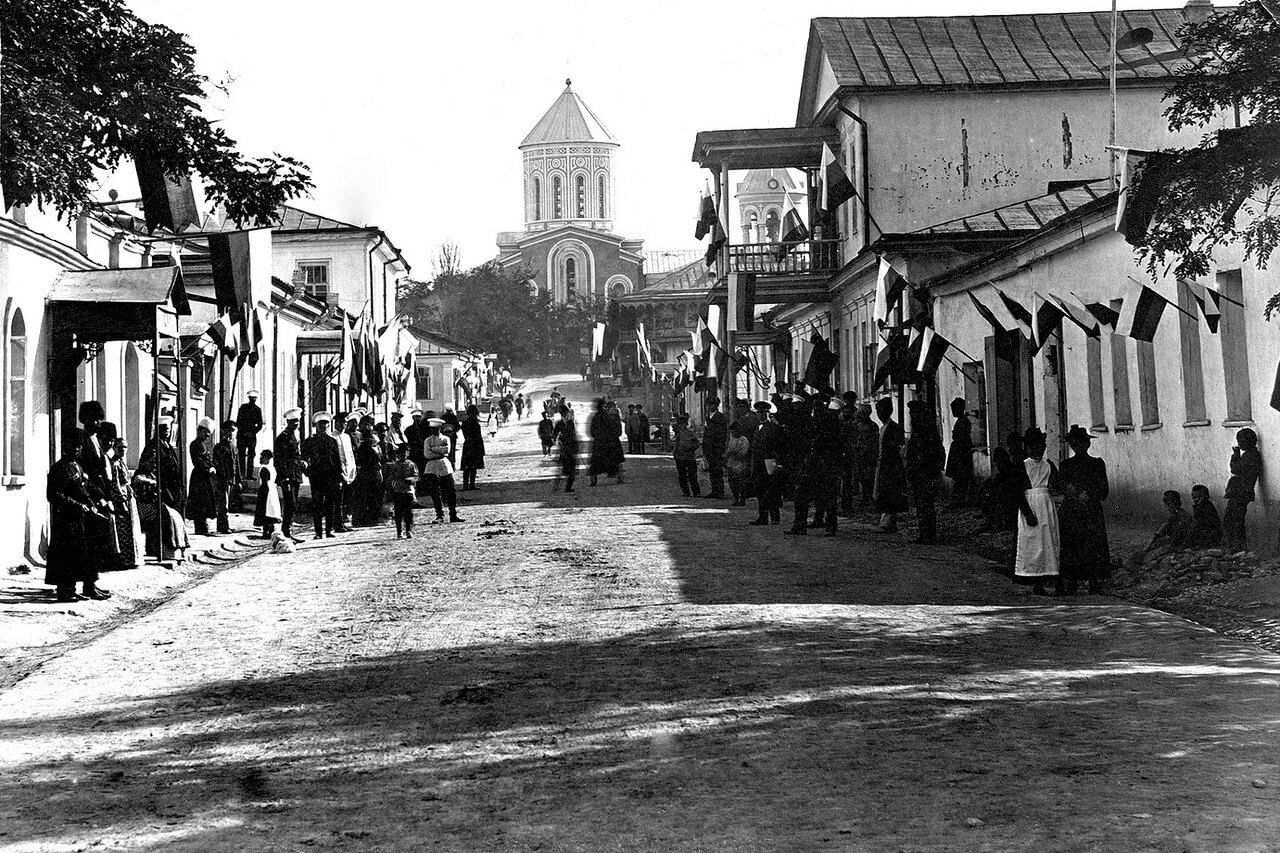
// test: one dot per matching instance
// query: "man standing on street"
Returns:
(226, 466)
(395, 435)
(289, 468)
(248, 425)
(343, 429)
(201, 493)
(439, 471)
(765, 449)
(715, 438)
(324, 470)
(415, 434)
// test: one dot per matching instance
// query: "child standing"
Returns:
(401, 475)
(546, 432)
(1246, 467)
(266, 512)
(737, 463)
(686, 456)
(1038, 537)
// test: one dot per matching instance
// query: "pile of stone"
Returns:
(1182, 570)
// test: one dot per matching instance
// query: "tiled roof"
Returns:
(568, 120)
(1028, 215)
(991, 49)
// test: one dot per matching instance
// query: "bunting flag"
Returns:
(891, 358)
(821, 362)
(356, 370)
(907, 369)
(1047, 320)
(1078, 315)
(835, 187)
(1209, 300)
(1142, 179)
(222, 332)
(793, 228)
(250, 336)
(231, 349)
(597, 341)
(890, 286)
(699, 337)
(1020, 315)
(718, 239)
(1275, 391)
(642, 346)
(346, 354)
(1105, 314)
(241, 266)
(706, 215)
(375, 372)
(933, 348)
(1140, 316)
(987, 314)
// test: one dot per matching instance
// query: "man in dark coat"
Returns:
(98, 469)
(202, 501)
(415, 434)
(642, 428)
(226, 465)
(960, 454)
(820, 466)
(248, 425)
(924, 461)
(891, 475)
(765, 450)
(324, 470)
(73, 511)
(715, 438)
(289, 469)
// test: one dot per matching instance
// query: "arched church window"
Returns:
(537, 198)
(557, 198)
(602, 214)
(16, 393)
(570, 279)
(581, 189)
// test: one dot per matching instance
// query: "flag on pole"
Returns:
(836, 188)
(221, 331)
(821, 362)
(718, 238)
(1140, 316)
(356, 372)
(642, 345)
(706, 215)
(890, 358)
(1078, 315)
(890, 286)
(793, 228)
(1105, 314)
(346, 353)
(1209, 300)
(933, 348)
(914, 350)
(1020, 315)
(250, 336)
(1142, 179)
(987, 314)
(1047, 320)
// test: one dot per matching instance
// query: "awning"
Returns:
(118, 304)
(320, 342)
(764, 148)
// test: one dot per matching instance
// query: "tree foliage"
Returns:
(1233, 68)
(87, 83)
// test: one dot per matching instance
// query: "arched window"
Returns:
(570, 279)
(581, 189)
(15, 408)
(537, 198)
(603, 208)
(557, 198)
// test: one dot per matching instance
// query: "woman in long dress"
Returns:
(159, 467)
(266, 512)
(472, 447)
(1039, 541)
(128, 523)
(1086, 553)
(367, 486)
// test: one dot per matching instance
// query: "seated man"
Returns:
(1171, 536)
(1206, 524)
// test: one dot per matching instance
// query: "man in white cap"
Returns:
(324, 470)
(289, 468)
(439, 471)
(343, 428)
(202, 501)
(248, 425)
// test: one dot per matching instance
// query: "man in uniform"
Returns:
(248, 425)
(342, 432)
(225, 473)
(289, 468)
(324, 470)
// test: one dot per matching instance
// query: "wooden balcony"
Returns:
(807, 259)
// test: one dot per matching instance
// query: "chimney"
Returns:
(1197, 11)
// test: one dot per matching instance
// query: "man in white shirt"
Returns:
(438, 471)
(347, 453)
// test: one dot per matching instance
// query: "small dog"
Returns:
(281, 544)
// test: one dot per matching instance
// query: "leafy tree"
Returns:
(1233, 67)
(87, 83)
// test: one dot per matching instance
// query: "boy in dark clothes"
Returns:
(1206, 527)
(400, 479)
(1246, 467)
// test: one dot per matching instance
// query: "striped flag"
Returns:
(1078, 315)
(793, 228)
(891, 358)
(1047, 320)
(223, 333)
(1209, 300)
(1105, 314)
(1140, 317)
(933, 348)
(1020, 315)
(706, 215)
(836, 188)
(987, 314)
(1142, 179)
(890, 286)
(250, 336)
(597, 341)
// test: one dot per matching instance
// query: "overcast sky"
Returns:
(409, 113)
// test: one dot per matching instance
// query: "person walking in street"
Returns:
(848, 437)
(401, 477)
(1246, 468)
(629, 425)
(160, 470)
(73, 510)
(439, 472)
(323, 458)
(715, 436)
(685, 451)
(248, 424)
(266, 510)
(472, 447)
(1039, 542)
(226, 479)
(289, 467)
(546, 433)
(202, 492)
(520, 407)
(818, 481)
(344, 428)
(960, 455)
(890, 493)
(737, 464)
(494, 419)
(1086, 553)
(566, 437)
(924, 459)
(765, 471)
(642, 429)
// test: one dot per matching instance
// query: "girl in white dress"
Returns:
(1038, 538)
(267, 511)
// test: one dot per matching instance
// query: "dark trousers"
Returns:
(687, 472)
(848, 488)
(402, 509)
(443, 493)
(768, 496)
(247, 454)
(468, 478)
(324, 504)
(960, 490)
(1233, 535)
(635, 445)
(546, 448)
(288, 506)
(821, 495)
(924, 496)
(221, 502)
(342, 496)
(715, 472)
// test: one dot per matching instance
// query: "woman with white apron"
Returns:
(1038, 537)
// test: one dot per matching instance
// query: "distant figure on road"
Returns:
(266, 512)
(401, 475)
(685, 452)
(439, 472)
(546, 432)
(520, 407)
(1039, 541)
(248, 424)
(202, 499)
(289, 469)
(765, 470)
(715, 435)
(924, 461)
(605, 428)
(324, 469)
(566, 436)
(737, 464)
(73, 510)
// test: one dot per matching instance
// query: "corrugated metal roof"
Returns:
(1028, 215)
(294, 219)
(658, 263)
(992, 49)
(691, 277)
(134, 285)
(568, 120)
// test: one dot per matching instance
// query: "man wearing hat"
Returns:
(395, 432)
(439, 471)
(225, 462)
(415, 434)
(765, 449)
(289, 468)
(344, 428)
(715, 438)
(820, 461)
(202, 501)
(324, 470)
(248, 425)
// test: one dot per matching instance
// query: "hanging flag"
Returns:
(1078, 315)
(890, 286)
(346, 353)
(718, 239)
(241, 266)
(987, 314)
(933, 349)
(356, 372)
(597, 341)
(1209, 300)
(1105, 314)
(890, 358)
(250, 336)
(1047, 320)
(908, 368)
(821, 362)
(836, 188)
(713, 324)
(1143, 175)
(793, 228)
(642, 344)
(706, 215)
(1275, 391)
(1140, 316)
(1020, 315)
(222, 332)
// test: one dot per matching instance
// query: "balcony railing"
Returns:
(806, 258)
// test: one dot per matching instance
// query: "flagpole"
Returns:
(1111, 137)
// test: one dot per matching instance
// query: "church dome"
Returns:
(568, 120)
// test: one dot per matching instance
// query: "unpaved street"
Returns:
(625, 669)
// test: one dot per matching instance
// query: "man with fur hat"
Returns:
(202, 500)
